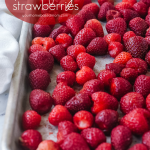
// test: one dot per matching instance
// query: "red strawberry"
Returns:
(148, 41)
(131, 2)
(106, 120)
(83, 119)
(115, 48)
(36, 48)
(139, 147)
(138, 26)
(103, 10)
(41, 60)
(30, 120)
(30, 139)
(81, 101)
(147, 19)
(112, 14)
(84, 37)
(48, 144)
(147, 58)
(123, 5)
(139, 125)
(59, 30)
(85, 59)
(117, 25)
(64, 39)
(119, 87)
(74, 141)
(40, 101)
(67, 77)
(112, 37)
(115, 67)
(103, 1)
(97, 46)
(131, 101)
(58, 52)
(147, 32)
(142, 85)
(96, 26)
(93, 136)
(39, 79)
(147, 2)
(121, 138)
(75, 24)
(68, 63)
(141, 9)
(138, 64)
(62, 93)
(148, 102)
(105, 76)
(38, 40)
(104, 146)
(58, 114)
(137, 46)
(65, 128)
(103, 100)
(146, 139)
(64, 17)
(129, 74)
(92, 86)
(128, 35)
(84, 75)
(74, 50)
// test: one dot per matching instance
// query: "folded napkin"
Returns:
(10, 28)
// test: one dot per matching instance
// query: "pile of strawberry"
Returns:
(84, 118)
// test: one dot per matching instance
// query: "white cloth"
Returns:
(10, 28)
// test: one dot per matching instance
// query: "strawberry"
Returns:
(74, 141)
(39, 79)
(142, 84)
(103, 10)
(74, 50)
(68, 63)
(65, 128)
(96, 26)
(147, 2)
(103, 1)
(40, 101)
(147, 32)
(84, 37)
(104, 146)
(131, 101)
(112, 14)
(93, 137)
(131, 2)
(85, 59)
(59, 30)
(35, 48)
(97, 46)
(58, 114)
(106, 120)
(148, 41)
(122, 58)
(58, 52)
(146, 139)
(84, 75)
(137, 46)
(138, 64)
(123, 5)
(30, 139)
(148, 102)
(92, 86)
(119, 87)
(117, 25)
(48, 144)
(128, 35)
(75, 24)
(121, 138)
(147, 58)
(105, 76)
(81, 101)
(141, 9)
(138, 26)
(147, 19)
(37, 40)
(67, 77)
(64, 17)
(64, 39)
(112, 37)
(83, 119)
(115, 67)
(129, 74)
(139, 147)
(115, 48)
(41, 60)
(103, 100)
(139, 125)
(62, 93)
(30, 120)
